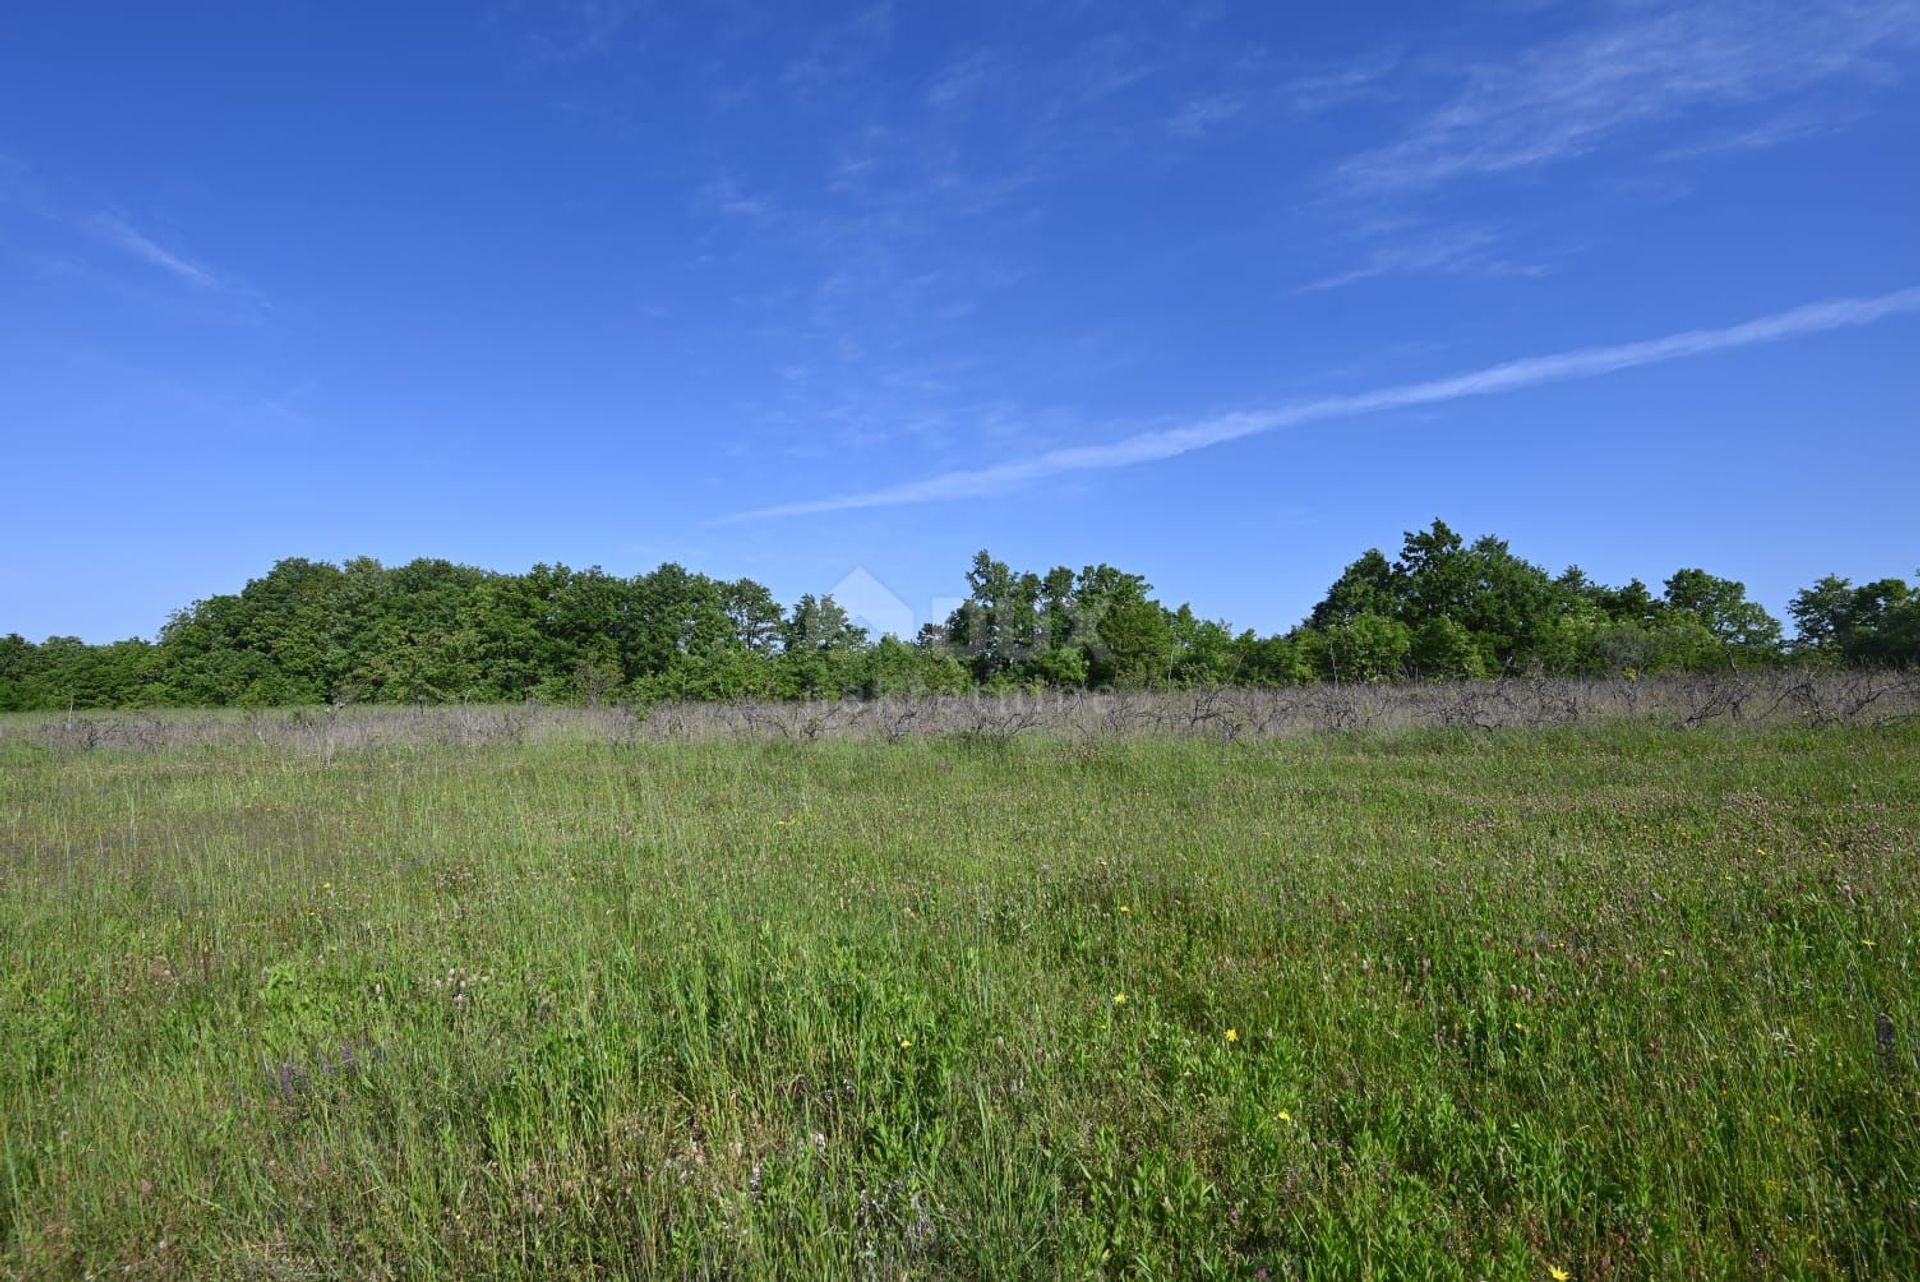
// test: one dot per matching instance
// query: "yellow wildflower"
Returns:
(1233, 1034)
(1557, 1273)
(1283, 1116)
(1119, 999)
(906, 1043)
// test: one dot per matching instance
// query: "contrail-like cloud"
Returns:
(1533, 371)
(118, 232)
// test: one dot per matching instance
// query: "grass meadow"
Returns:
(1607, 1001)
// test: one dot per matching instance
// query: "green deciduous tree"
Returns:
(1443, 649)
(1721, 606)
(1136, 645)
(1876, 623)
(430, 630)
(1367, 647)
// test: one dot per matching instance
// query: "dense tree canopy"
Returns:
(431, 631)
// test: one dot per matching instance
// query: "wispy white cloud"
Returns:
(1787, 127)
(1444, 251)
(1255, 92)
(20, 188)
(1573, 95)
(66, 246)
(962, 81)
(117, 232)
(724, 195)
(841, 54)
(1149, 447)
(1200, 115)
(572, 30)
(1324, 90)
(918, 219)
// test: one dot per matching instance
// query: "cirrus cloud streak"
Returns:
(1509, 376)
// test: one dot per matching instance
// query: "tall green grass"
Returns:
(1600, 1003)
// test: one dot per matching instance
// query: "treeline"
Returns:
(432, 631)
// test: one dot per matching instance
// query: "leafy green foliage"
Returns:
(431, 631)
(1445, 649)
(1877, 623)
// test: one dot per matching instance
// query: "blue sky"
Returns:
(1208, 291)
